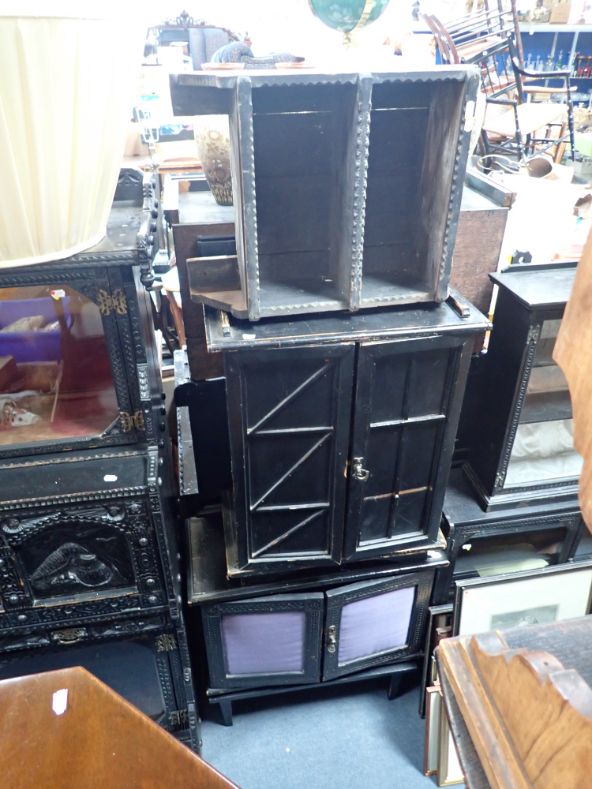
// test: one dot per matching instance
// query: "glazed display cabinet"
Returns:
(522, 447)
(341, 433)
(88, 545)
(284, 635)
(346, 187)
(502, 541)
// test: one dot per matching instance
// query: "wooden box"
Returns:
(347, 186)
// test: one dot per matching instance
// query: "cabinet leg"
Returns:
(394, 687)
(225, 708)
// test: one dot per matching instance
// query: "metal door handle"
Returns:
(358, 471)
(332, 639)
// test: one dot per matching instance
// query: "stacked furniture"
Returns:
(511, 513)
(315, 559)
(88, 558)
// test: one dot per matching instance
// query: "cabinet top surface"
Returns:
(123, 226)
(413, 322)
(540, 287)
(201, 208)
(207, 581)
(461, 507)
(302, 75)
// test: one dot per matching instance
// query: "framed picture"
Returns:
(431, 751)
(439, 618)
(449, 769)
(526, 598)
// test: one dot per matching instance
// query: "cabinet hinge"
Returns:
(165, 642)
(179, 719)
(131, 421)
(111, 302)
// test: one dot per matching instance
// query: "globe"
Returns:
(347, 15)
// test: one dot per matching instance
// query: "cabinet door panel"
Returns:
(273, 640)
(289, 417)
(404, 423)
(373, 622)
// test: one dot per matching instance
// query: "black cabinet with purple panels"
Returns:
(284, 635)
(341, 433)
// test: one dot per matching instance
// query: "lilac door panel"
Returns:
(266, 643)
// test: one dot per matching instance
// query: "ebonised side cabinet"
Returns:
(286, 634)
(341, 433)
(88, 551)
(522, 439)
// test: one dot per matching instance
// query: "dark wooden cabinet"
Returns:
(502, 541)
(341, 433)
(146, 664)
(88, 535)
(522, 443)
(310, 629)
(346, 186)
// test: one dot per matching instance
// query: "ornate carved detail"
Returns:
(111, 302)
(527, 362)
(133, 421)
(166, 642)
(360, 182)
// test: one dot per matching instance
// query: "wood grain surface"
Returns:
(573, 353)
(530, 718)
(67, 730)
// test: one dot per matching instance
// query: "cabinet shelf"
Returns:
(546, 407)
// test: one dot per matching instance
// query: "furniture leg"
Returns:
(394, 687)
(225, 707)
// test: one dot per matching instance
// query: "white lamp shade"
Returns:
(66, 93)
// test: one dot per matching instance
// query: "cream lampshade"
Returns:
(66, 92)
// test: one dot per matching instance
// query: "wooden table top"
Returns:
(66, 730)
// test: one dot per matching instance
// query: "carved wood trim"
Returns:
(530, 719)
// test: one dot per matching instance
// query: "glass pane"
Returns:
(55, 374)
(546, 342)
(267, 643)
(375, 624)
(509, 553)
(543, 446)
(543, 451)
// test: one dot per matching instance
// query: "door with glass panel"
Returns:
(63, 368)
(373, 622)
(403, 437)
(273, 640)
(542, 448)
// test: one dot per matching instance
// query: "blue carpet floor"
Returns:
(335, 738)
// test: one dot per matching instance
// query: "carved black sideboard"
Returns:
(341, 433)
(88, 557)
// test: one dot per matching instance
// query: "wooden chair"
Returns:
(512, 123)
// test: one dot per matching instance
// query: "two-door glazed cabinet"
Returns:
(285, 635)
(88, 553)
(341, 432)
(522, 447)
(346, 186)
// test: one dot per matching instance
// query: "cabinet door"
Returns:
(407, 402)
(272, 640)
(67, 374)
(374, 622)
(289, 420)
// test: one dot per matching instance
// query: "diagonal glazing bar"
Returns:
(317, 374)
(286, 534)
(290, 471)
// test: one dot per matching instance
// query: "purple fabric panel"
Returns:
(375, 624)
(264, 643)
